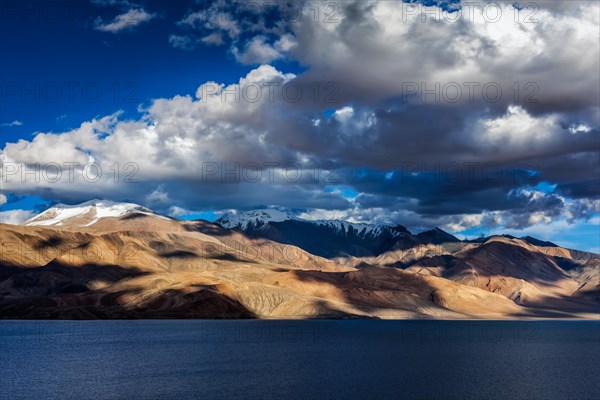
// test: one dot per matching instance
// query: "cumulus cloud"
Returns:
(369, 111)
(535, 209)
(177, 212)
(258, 51)
(212, 19)
(125, 21)
(472, 49)
(15, 217)
(235, 148)
(159, 197)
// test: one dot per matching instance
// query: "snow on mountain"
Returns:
(243, 219)
(259, 219)
(325, 238)
(360, 229)
(86, 213)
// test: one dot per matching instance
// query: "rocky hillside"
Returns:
(137, 264)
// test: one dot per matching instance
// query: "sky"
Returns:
(475, 117)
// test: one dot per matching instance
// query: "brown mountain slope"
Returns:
(198, 270)
(530, 275)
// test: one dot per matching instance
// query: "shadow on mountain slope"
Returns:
(51, 242)
(373, 288)
(504, 259)
(563, 306)
(57, 291)
(133, 215)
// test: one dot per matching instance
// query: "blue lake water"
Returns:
(358, 359)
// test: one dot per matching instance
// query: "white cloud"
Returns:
(519, 132)
(177, 212)
(369, 54)
(259, 51)
(158, 197)
(183, 42)
(15, 217)
(177, 138)
(374, 215)
(464, 222)
(126, 21)
(193, 19)
(539, 217)
(172, 140)
(539, 211)
(214, 38)
(579, 128)
(377, 48)
(16, 122)
(212, 19)
(320, 214)
(344, 114)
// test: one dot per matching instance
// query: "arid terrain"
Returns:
(141, 265)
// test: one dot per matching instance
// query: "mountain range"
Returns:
(325, 238)
(103, 259)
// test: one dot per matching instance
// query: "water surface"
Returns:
(185, 359)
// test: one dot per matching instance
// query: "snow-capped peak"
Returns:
(360, 228)
(241, 219)
(259, 219)
(86, 213)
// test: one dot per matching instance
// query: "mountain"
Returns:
(59, 273)
(527, 239)
(436, 236)
(86, 214)
(548, 278)
(118, 260)
(538, 242)
(254, 219)
(325, 238)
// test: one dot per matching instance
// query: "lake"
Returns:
(351, 359)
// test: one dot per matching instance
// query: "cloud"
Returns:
(125, 21)
(234, 23)
(582, 236)
(258, 51)
(320, 214)
(212, 19)
(215, 39)
(183, 42)
(183, 145)
(412, 154)
(15, 217)
(176, 212)
(158, 197)
(361, 45)
(472, 49)
(16, 122)
(2, 199)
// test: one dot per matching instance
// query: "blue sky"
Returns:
(376, 134)
(58, 71)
